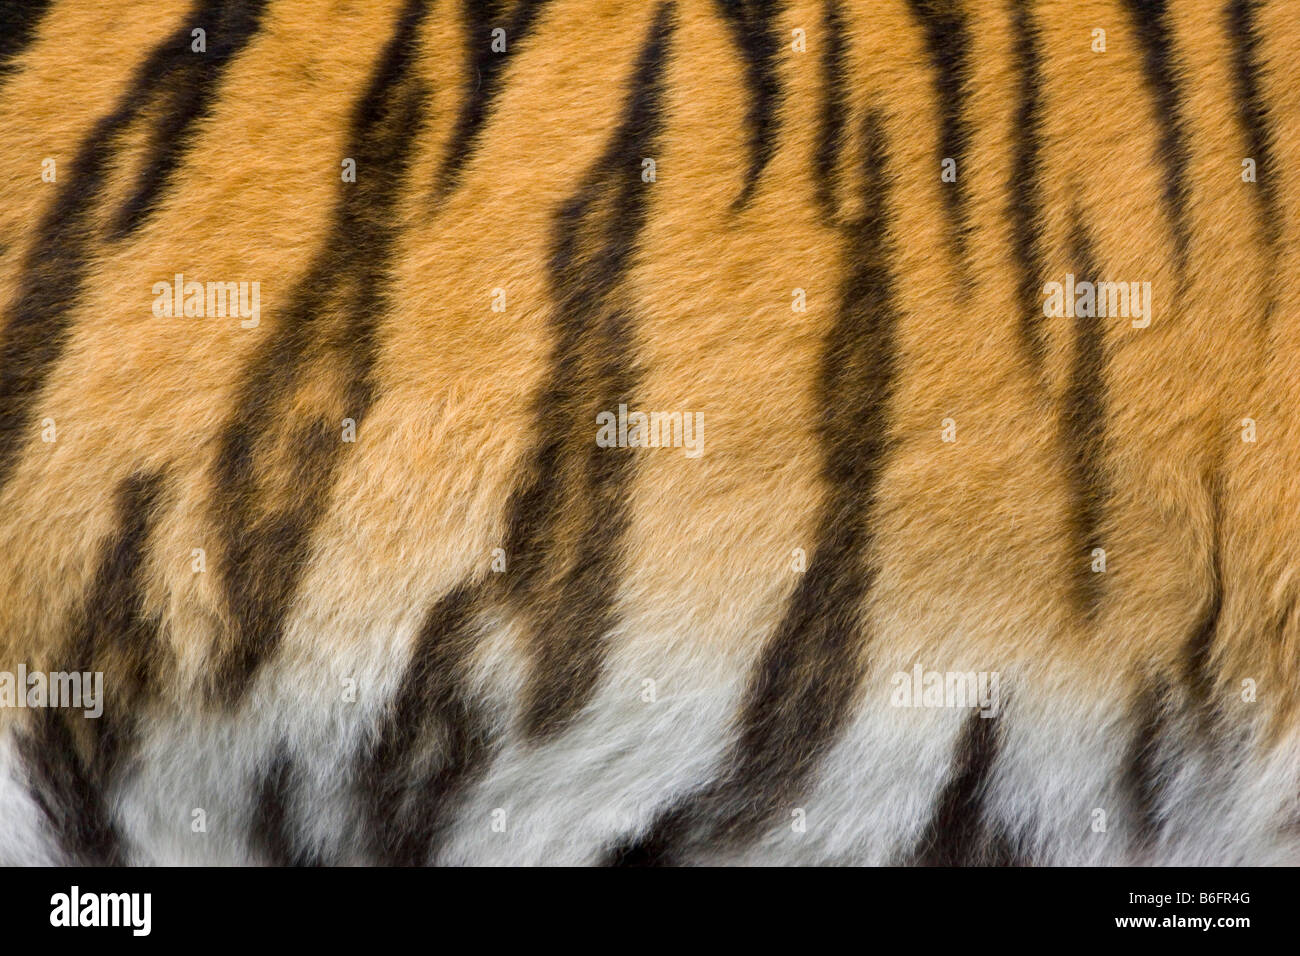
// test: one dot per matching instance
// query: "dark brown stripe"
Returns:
(569, 513)
(803, 685)
(186, 88)
(958, 833)
(1253, 110)
(830, 136)
(275, 466)
(18, 27)
(432, 744)
(272, 830)
(69, 792)
(800, 693)
(661, 845)
(1253, 116)
(484, 75)
(37, 325)
(74, 761)
(1143, 778)
(754, 31)
(1083, 428)
(1151, 22)
(1025, 206)
(1198, 653)
(947, 40)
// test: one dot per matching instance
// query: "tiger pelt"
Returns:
(662, 432)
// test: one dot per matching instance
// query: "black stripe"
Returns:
(33, 337)
(1151, 22)
(69, 793)
(484, 76)
(948, 42)
(1026, 201)
(1252, 110)
(754, 30)
(1198, 652)
(661, 844)
(802, 687)
(830, 136)
(117, 631)
(272, 831)
(275, 467)
(74, 761)
(568, 515)
(18, 28)
(186, 87)
(1253, 115)
(433, 741)
(1083, 427)
(960, 832)
(1143, 778)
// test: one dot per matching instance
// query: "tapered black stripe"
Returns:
(272, 830)
(835, 80)
(75, 760)
(484, 75)
(660, 845)
(69, 794)
(1151, 22)
(1198, 653)
(185, 91)
(35, 330)
(1025, 193)
(18, 27)
(948, 42)
(1143, 779)
(958, 832)
(755, 32)
(1083, 427)
(802, 687)
(276, 465)
(569, 513)
(800, 692)
(432, 743)
(116, 631)
(1253, 111)
(631, 855)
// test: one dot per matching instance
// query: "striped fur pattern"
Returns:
(474, 634)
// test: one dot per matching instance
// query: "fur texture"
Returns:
(474, 635)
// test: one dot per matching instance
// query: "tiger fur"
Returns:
(467, 632)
